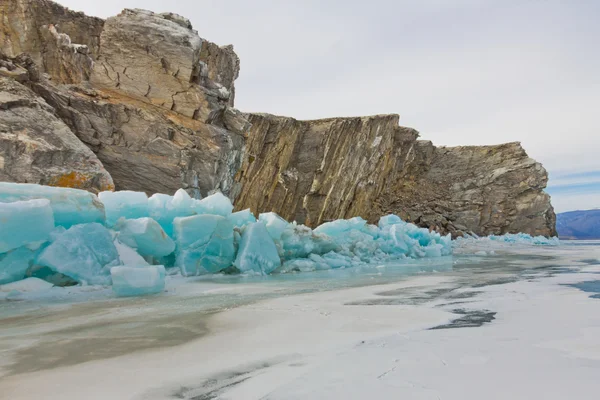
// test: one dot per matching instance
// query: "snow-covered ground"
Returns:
(508, 324)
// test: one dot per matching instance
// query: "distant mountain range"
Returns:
(579, 224)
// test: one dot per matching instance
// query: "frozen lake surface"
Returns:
(493, 321)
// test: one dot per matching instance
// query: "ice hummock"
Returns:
(64, 233)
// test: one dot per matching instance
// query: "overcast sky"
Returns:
(461, 72)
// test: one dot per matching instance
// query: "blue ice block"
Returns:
(70, 206)
(83, 252)
(14, 264)
(341, 227)
(242, 218)
(204, 244)
(146, 236)
(125, 203)
(215, 204)
(274, 223)
(257, 251)
(25, 222)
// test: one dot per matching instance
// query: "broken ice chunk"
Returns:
(70, 206)
(14, 264)
(299, 241)
(341, 227)
(161, 210)
(390, 219)
(129, 256)
(82, 252)
(204, 244)
(274, 223)
(257, 251)
(182, 200)
(336, 260)
(242, 218)
(24, 222)
(215, 204)
(164, 208)
(138, 281)
(145, 235)
(299, 264)
(125, 203)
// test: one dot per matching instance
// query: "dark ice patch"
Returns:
(215, 386)
(588, 287)
(590, 261)
(497, 281)
(469, 319)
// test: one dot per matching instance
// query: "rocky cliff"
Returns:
(317, 171)
(142, 90)
(154, 103)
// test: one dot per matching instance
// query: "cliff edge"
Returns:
(141, 102)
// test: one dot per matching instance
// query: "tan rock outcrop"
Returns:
(36, 146)
(57, 39)
(317, 171)
(142, 90)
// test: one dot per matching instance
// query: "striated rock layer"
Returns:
(35, 145)
(317, 171)
(154, 102)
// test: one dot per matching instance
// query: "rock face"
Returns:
(154, 102)
(33, 27)
(317, 171)
(142, 90)
(36, 146)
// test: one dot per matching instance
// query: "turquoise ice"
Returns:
(83, 252)
(299, 241)
(164, 208)
(25, 223)
(15, 263)
(257, 252)
(525, 238)
(125, 203)
(204, 244)
(215, 204)
(70, 206)
(390, 219)
(274, 223)
(145, 235)
(242, 218)
(341, 227)
(137, 281)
